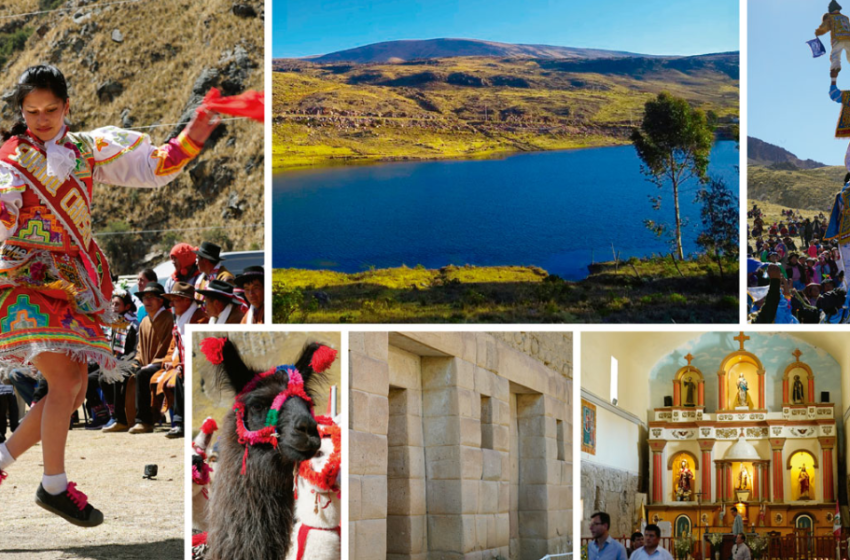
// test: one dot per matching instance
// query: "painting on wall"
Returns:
(588, 427)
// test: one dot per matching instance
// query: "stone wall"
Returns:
(612, 491)
(554, 350)
(460, 448)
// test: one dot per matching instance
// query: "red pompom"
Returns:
(209, 426)
(212, 348)
(322, 359)
(199, 539)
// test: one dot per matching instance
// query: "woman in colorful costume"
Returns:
(55, 285)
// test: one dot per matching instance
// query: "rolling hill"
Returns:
(400, 51)
(766, 154)
(468, 105)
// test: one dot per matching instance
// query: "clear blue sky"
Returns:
(788, 91)
(683, 27)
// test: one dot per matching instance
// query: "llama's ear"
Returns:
(232, 370)
(316, 359)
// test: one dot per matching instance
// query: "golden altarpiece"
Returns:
(774, 466)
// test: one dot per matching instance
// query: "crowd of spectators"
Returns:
(791, 283)
(148, 336)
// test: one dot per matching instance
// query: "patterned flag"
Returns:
(817, 47)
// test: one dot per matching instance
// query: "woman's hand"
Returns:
(202, 125)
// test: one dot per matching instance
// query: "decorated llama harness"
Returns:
(268, 433)
(325, 480)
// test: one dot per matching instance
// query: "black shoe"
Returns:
(176, 432)
(71, 505)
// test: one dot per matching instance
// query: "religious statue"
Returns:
(797, 396)
(743, 479)
(684, 485)
(690, 387)
(804, 483)
(761, 515)
(742, 390)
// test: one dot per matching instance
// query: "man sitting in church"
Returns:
(221, 305)
(651, 550)
(636, 542)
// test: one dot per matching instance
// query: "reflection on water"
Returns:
(556, 210)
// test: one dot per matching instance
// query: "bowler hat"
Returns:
(250, 273)
(154, 288)
(181, 289)
(209, 251)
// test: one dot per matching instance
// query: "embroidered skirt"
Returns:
(46, 305)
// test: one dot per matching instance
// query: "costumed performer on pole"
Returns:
(55, 285)
(838, 26)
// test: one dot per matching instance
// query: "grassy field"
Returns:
(809, 190)
(649, 290)
(464, 107)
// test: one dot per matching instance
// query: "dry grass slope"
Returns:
(166, 47)
(475, 106)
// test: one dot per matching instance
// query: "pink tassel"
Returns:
(322, 359)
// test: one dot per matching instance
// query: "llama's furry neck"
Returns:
(250, 515)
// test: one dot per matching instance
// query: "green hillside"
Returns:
(800, 189)
(479, 106)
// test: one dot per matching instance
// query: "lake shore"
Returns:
(651, 290)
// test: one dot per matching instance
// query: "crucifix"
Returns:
(741, 339)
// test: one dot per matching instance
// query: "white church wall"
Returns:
(617, 442)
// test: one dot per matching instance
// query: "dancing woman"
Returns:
(55, 285)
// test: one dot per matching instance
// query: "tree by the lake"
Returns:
(673, 141)
(719, 214)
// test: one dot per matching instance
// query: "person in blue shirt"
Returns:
(603, 547)
(651, 550)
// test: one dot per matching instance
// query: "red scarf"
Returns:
(70, 202)
(250, 104)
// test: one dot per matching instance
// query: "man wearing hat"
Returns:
(154, 339)
(251, 281)
(222, 307)
(168, 382)
(209, 263)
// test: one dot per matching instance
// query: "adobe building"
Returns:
(460, 445)
(714, 424)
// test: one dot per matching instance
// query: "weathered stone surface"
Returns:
(358, 417)
(376, 345)
(374, 488)
(378, 414)
(406, 496)
(610, 490)
(406, 534)
(117, 36)
(354, 498)
(552, 349)
(368, 453)
(406, 462)
(371, 539)
(369, 375)
(492, 462)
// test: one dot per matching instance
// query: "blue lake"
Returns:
(556, 210)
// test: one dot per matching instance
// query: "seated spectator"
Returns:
(154, 339)
(185, 269)
(169, 380)
(123, 336)
(145, 276)
(251, 281)
(221, 304)
(209, 263)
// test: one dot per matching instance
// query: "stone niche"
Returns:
(460, 449)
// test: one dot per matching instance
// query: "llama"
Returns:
(201, 471)
(270, 429)
(317, 531)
